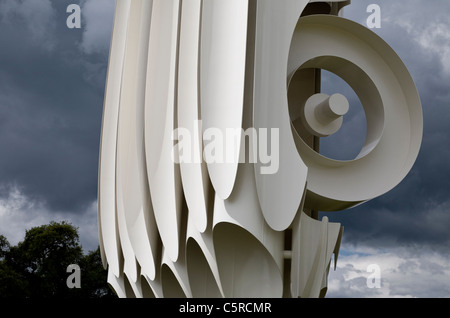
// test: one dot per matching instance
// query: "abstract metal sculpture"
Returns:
(174, 224)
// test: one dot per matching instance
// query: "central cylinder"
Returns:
(323, 114)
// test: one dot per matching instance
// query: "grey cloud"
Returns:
(403, 272)
(96, 25)
(50, 113)
(37, 17)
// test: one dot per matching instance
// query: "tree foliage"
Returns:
(37, 266)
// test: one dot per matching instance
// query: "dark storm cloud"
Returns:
(51, 98)
(417, 212)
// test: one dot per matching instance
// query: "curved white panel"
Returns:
(194, 174)
(125, 288)
(118, 284)
(201, 261)
(172, 288)
(130, 264)
(390, 100)
(134, 288)
(109, 241)
(174, 276)
(247, 269)
(313, 245)
(163, 173)
(131, 167)
(204, 281)
(223, 56)
(279, 193)
(249, 253)
(145, 224)
(154, 285)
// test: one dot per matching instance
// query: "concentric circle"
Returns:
(391, 104)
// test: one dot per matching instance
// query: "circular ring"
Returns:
(390, 100)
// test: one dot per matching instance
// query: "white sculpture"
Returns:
(171, 227)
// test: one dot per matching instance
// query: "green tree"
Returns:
(42, 258)
(4, 247)
(10, 281)
(37, 266)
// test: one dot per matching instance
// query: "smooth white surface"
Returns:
(194, 174)
(130, 264)
(174, 275)
(163, 174)
(249, 253)
(201, 262)
(117, 283)
(132, 188)
(222, 65)
(280, 194)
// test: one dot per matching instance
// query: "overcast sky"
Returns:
(52, 82)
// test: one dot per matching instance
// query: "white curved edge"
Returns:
(117, 283)
(239, 230)
(109, 241)
(334, 237)
(131, 183)
(123, 287)
(280, 192)
(154, 285)
(145, 224)
(222, 67)
(246, 268)
(244, 210)
(144, 233)
(136, 286)
(194, 174)
(177, 278)
(160, 104)
(201, 262)
(130, 267)
(178, 286)
(313, 244)
(172, 284)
